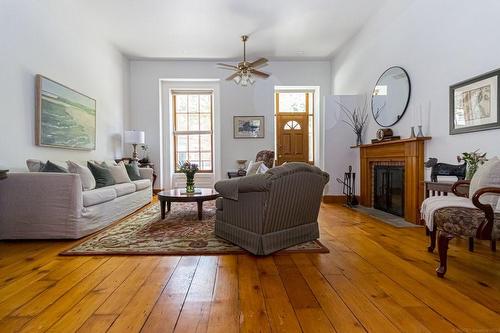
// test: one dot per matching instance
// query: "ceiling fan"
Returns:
(244, 72)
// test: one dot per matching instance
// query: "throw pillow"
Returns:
(101, 174)
(253, 167)
(486, 175)
(86, 176)
(52, 167)
(263, 168)
(133, 171)
(34, 165)
(119, 173)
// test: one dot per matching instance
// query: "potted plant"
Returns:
(473, 160)
(189, 169)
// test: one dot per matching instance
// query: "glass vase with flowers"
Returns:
(189, 169)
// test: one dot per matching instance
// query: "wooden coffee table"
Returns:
(178, 195)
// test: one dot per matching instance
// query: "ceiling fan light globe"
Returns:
(237, 79)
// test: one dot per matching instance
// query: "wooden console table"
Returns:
(3, 174)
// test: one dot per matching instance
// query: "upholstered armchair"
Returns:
(267, 156)
(268, 212)
(464, 217)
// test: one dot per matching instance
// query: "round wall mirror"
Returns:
(391, 96)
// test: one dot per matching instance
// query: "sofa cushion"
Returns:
(133, 171)
(87, 178)
(34, 165)
(52, 167)
(142, 184)
(119, 173)
(98, 196)
(101, 174)
(123, 189)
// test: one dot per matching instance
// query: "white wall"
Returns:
(234, 100)
(50, 38)
(439, 43)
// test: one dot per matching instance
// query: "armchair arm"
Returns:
(486, 227)
(147, 173)
(229, 188)
(454, 188)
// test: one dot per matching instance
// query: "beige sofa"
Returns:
(43, 205)
(268, 212)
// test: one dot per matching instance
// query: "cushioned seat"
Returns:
(460, 221)
(142, 184)
(97, 196)
(124, 189)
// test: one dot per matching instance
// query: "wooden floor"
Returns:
(376, 278)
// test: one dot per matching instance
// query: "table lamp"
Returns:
(135, 138)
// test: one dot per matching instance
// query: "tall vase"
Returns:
(471, 170)
(359, 140)
(189, 184)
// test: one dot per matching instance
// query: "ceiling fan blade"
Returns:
(259, 73)
(258, 62)
(231, 77)
(226, 65)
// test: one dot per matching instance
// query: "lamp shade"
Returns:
(137, 137)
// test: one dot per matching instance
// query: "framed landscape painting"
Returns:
(248, 127)
(64, 117)
(474, 104)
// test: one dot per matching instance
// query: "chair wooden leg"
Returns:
(444, 239)
(432, 236)
(427, 231)
(471, 244)
(493, 245)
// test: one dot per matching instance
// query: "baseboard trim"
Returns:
(335, 199)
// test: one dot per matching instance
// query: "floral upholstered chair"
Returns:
(267, 156)
(472, 216)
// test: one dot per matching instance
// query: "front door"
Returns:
(292, 136)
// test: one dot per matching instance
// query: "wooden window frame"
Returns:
(191, 132)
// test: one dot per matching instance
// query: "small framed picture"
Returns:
(474, 104)
(248, 127)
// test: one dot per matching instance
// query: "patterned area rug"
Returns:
(180, 233)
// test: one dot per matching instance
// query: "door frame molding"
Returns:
(319, 125)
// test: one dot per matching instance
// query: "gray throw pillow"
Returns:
(133, 171)
(51, 167)
(101, 174)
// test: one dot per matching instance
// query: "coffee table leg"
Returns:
(162, 209)
(200, 210)
(168, 206)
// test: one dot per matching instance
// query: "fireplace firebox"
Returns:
(389, 189)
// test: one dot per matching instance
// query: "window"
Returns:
(193, 129)
(292, 125)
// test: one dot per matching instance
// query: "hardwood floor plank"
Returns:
(119, 299)
(165, 313)
(83, 310)
(133, 316)
(280, 312)
(253, 314)
(97, 324)
(57, 309)
(298, 291)
(195, 312)
(224, 312)
(340, 316)
(313, 320)
(49, 296)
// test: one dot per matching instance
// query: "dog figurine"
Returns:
(444, 169)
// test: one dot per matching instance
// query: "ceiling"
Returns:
(211, 29)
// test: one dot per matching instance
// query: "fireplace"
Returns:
(388, 188)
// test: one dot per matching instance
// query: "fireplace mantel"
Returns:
(411, 153)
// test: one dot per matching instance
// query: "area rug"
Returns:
(180, 233)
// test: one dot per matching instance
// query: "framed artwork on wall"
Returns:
(474, 104)
(64, 118)
(248, 127)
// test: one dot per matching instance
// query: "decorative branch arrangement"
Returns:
(356, 119)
